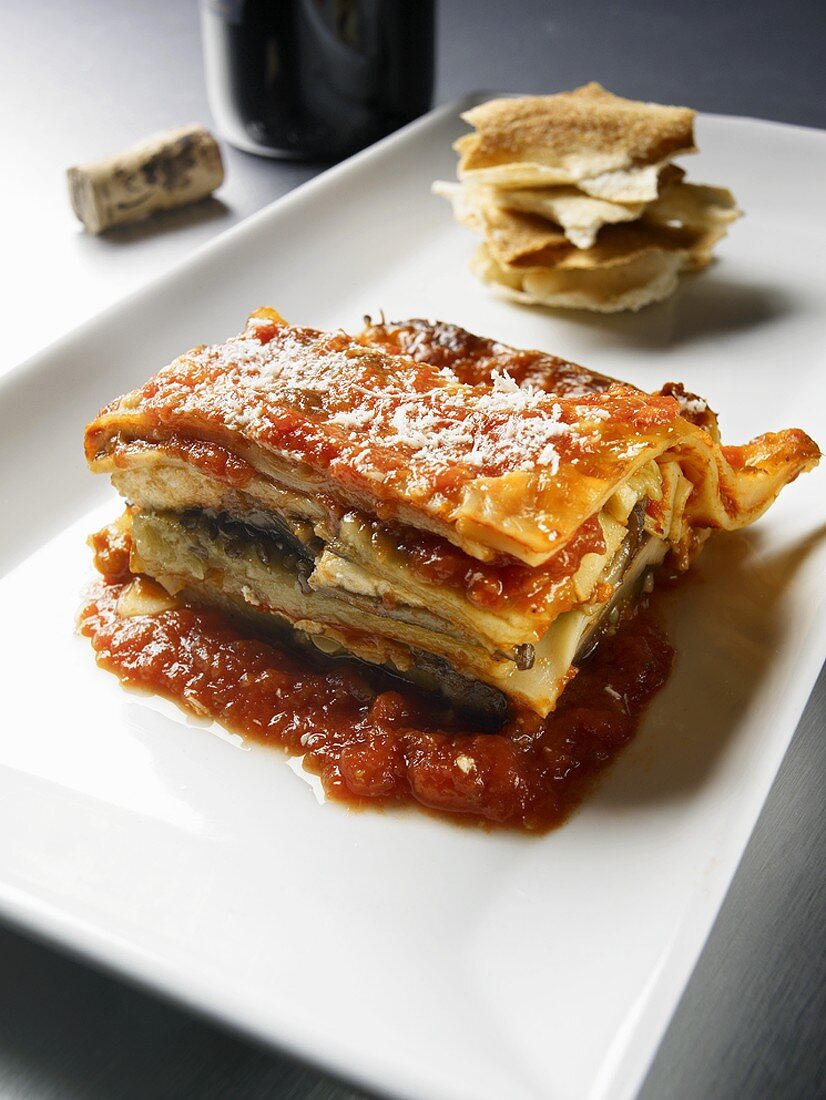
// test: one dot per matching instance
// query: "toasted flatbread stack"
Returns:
(578, 203)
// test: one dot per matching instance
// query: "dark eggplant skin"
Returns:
(276, 536)
(486, 704)
(429, 672)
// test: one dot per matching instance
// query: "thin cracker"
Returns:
(579, 216)
(647, 278)
(529, 240)
(573, 136)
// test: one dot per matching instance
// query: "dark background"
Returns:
(79, 78)
(758, 58)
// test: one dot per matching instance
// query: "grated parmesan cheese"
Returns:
(329, 399)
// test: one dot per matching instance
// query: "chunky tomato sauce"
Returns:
(374, 741)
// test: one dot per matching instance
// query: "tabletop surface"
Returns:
(82, 78)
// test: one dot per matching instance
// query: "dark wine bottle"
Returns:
(316, 79)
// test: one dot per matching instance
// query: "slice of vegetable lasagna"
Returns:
(401, 498)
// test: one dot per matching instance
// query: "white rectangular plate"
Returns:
(421, 958)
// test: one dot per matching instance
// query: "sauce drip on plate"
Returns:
(373, 740)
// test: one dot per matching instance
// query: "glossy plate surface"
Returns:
(423, 959)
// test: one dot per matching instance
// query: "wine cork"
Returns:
(162, 171)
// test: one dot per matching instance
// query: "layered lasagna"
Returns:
(470, 517)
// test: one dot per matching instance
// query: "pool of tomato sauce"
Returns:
(369, 738)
